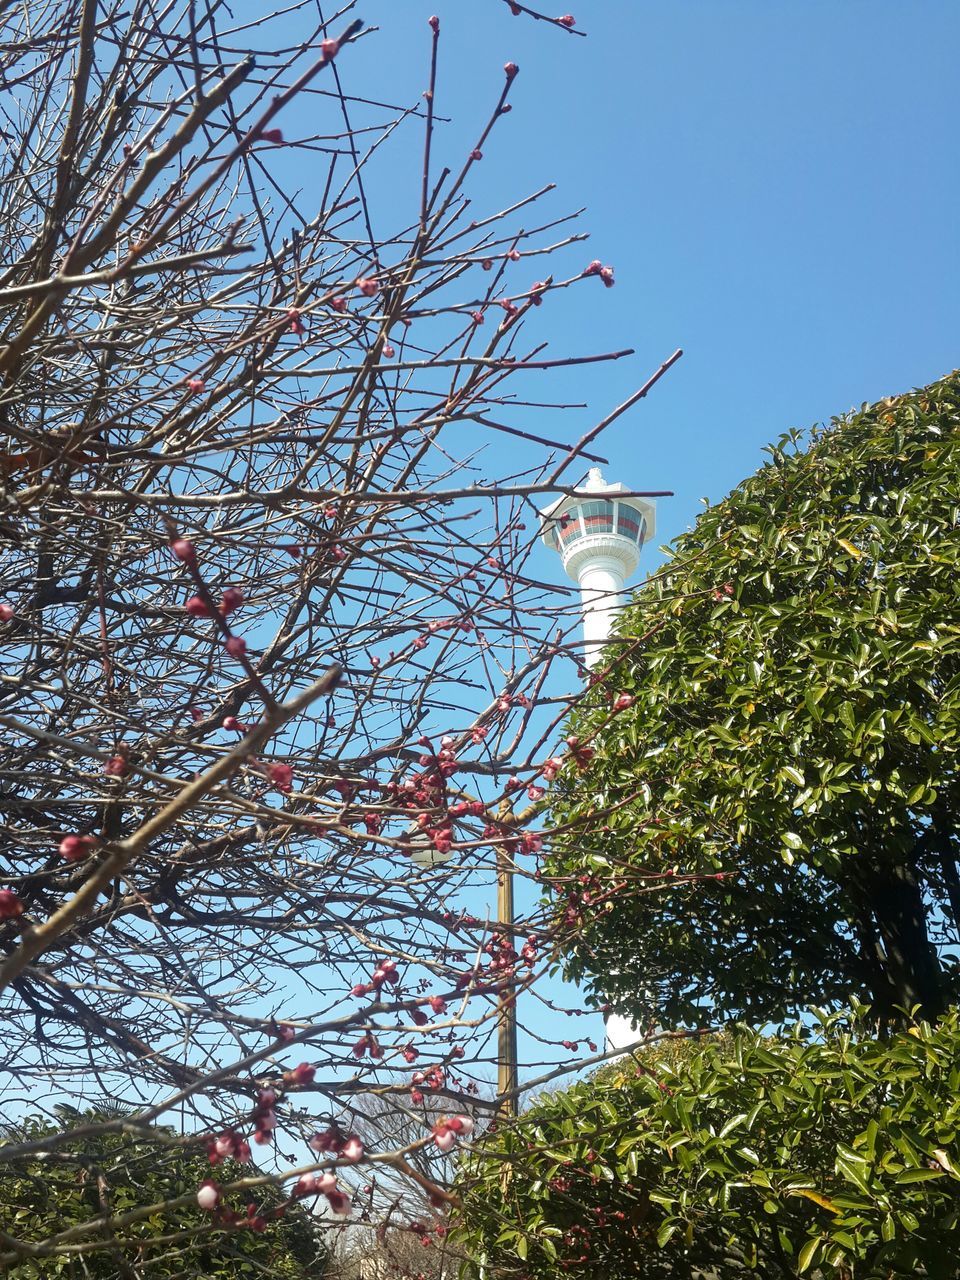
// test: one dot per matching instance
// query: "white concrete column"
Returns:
(601, 591)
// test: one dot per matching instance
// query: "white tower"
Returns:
(598, 534)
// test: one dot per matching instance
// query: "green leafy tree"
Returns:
(788, 763)
(829, 1153)
(114, 1177)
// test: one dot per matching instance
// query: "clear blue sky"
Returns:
(775, 183)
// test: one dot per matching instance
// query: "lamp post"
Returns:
(598, 532)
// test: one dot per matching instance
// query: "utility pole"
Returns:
(507, 1029)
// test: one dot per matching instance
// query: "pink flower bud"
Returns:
(195, 385)
(437, 1004)
(623, 702)
(339, 1203)
(444, 1138)
(236, 646)
(232, 599)
(76, 848)
(594, 268)
(329, 49)
(324, 1142)
(606, 275)
(208, 1196)
(301, 1074)
(197, 608)
(511, 69)
(368, 285)
(184, 550)
(476, 154)
(388, 352)
(434, 22)
(568, 20)
(116, 767)
(514, 255)
(272, 135)
(281, 775)
(338, 304)
(10, 905)
(352, 1149)
(6, 612)
(233, 724)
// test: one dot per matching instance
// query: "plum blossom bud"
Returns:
(232, 599)
(329, 49)
(368, 285)
(511, 69)
(10, 905)
(352, 1149)
(444, 1137)
(208, 1196)
(306, 1185)
(434, 22)
(338, 304)
(281, 775)
(197, 608)
(6, 611)
(339, 1203)
(606, 275)
(195, 385)
(184, 550)
(116, 767)
(568, 20)
(303, 1073)
(324, 1142)
(236, 646)
(437, 1004)
(76, 848)
(461, 1124)
(624, 701)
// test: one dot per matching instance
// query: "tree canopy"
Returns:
(774, 734)
(827, 1153)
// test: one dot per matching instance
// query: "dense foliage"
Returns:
(148, 1187)
(828, 1153)
(789, 758)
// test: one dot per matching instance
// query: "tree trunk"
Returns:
(896, 904)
